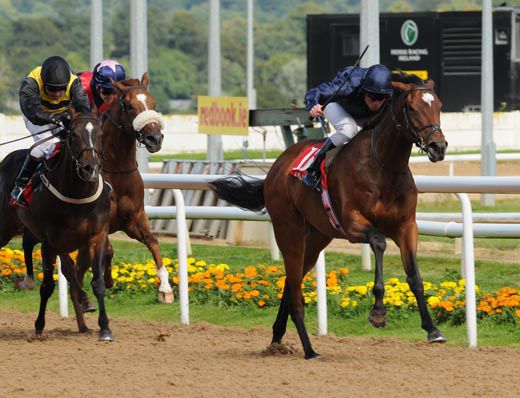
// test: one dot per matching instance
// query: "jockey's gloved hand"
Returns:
(55, 120)
(65, 120)
(65, 117)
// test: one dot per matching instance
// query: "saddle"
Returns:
(34, 182)
(299, 169)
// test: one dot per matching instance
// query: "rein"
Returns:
(77, 165)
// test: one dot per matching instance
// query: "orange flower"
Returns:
(261, 303)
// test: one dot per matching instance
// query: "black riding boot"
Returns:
(313, 175)
(28, 169)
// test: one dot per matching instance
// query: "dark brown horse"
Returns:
(70, 206)
(131, 119)
(372, 192)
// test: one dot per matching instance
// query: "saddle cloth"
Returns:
(34, 182)
(299, 169)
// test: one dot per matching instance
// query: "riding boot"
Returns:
(313, 175)
(28, 169)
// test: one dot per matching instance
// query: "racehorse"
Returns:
(130, 119)
(372, 192)
(70, 206)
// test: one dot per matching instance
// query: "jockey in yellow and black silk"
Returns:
(45, 95)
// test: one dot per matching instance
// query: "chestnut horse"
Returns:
(372, 192)
(69, 209)
(130, 119)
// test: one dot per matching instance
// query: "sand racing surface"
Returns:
(202, 360)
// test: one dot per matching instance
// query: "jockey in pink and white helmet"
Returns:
(98, 86)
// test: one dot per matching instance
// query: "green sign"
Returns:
(409, 32)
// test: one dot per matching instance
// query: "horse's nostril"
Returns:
(152, 141)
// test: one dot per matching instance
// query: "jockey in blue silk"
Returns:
(97, 83)
(45, 95)
(355, 94)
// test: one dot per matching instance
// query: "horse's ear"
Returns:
(429, 83)
(94, 109)
(144, 80)
(401, 86)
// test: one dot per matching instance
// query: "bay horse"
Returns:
(372, 192)
(69, 209)
(131, 119)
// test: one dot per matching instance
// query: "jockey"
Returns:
(355, 94)
(45, 95)
(97, 85)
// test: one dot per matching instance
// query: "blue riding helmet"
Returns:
(377, 80)
(108, 70)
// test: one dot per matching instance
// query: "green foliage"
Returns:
(32, 30)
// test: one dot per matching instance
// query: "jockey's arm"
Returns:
(29, 96)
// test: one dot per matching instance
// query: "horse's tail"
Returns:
(235, 189)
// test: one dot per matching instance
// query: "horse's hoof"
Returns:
(84, 330)
(88, 306)
(312, 355)
(105, 335)
(436, 337)
(378, 321)
(165, 297)
(25, 284)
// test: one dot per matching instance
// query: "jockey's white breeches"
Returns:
(46, 148)
(344, 124)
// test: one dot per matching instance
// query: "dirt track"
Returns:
(163, 360)
(160, 360)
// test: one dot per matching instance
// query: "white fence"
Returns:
(466, 230)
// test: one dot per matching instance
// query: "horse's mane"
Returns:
(406, 78)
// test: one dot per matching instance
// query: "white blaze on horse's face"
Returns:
(90, 128)
(142, 98)
(428, 98)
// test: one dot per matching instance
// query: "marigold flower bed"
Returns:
(262, 286)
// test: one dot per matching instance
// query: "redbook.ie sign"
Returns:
(223, 115)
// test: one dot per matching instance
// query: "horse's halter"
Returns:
(421, 143)
(76, 156)
(137, 124)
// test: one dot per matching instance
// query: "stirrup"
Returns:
(312, 180)
(18, 197)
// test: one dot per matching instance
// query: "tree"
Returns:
(172, 76)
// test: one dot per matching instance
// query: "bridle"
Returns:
(77, 155)
(138, 135)
(421, 143)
